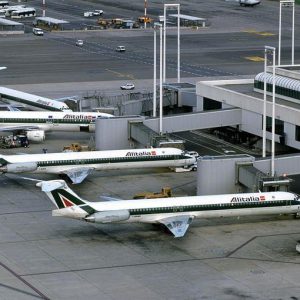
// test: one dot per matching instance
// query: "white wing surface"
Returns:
(77, 175)
(177, 225)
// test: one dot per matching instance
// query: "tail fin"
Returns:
(3, 160)
(62, 196)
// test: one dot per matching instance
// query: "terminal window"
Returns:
(279, 126)
(297, 133)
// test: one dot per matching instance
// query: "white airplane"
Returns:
(175, 213)
(32, 101)
(78, 165)
(34, 123)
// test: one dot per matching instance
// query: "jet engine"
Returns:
(109, 216)
(36, 135)
(19, 167)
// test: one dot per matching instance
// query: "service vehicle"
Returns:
(37, 31)
(127, 86)
(79, 43)
(76, 147)
(4, 4)
(97, 12)
(121, 49)
(88, 14)
(164, 193)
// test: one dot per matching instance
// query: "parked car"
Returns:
(121, 49)
(127, 86)
(97, 12)
(37, 31)
(298, 247)
(88, 14)
(79, 43)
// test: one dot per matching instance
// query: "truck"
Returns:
(164, 193)
(76, 147)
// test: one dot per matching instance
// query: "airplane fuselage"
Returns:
(51, 121)
(61, 163)
(174, 213)
(214, 206)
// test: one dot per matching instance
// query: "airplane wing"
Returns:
(77, 175)
(17, 128)
(177, 225)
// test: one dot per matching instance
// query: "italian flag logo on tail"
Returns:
(65, 199)
(66, 202)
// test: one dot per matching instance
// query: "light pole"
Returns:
(154, 72)
(268, 50)
(273, 117)
(273, 50)
(145, 14)
(286, 3)
(160, 80)
(156, 25)
(166, 6)
(265, 104)
(44, 8)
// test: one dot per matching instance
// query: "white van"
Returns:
(121, 49)
(37, 31)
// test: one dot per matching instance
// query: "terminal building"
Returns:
(234, 108)
(11, 27)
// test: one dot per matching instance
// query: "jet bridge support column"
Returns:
(113, 133)
(217, 174)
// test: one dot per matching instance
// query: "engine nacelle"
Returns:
(36, 135)
(19, 167)
(109, 216)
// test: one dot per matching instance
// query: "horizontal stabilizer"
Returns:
(177, 225)
(48, 186)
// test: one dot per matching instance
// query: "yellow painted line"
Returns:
(263, 33)
(266, 33)
(255, 58)
(122, 75)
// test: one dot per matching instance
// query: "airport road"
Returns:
(230, 46)
(55, 58)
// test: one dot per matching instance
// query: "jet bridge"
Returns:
(244, 173)
(123, 132)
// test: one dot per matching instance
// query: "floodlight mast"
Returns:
(166, 6)
(287, 3)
